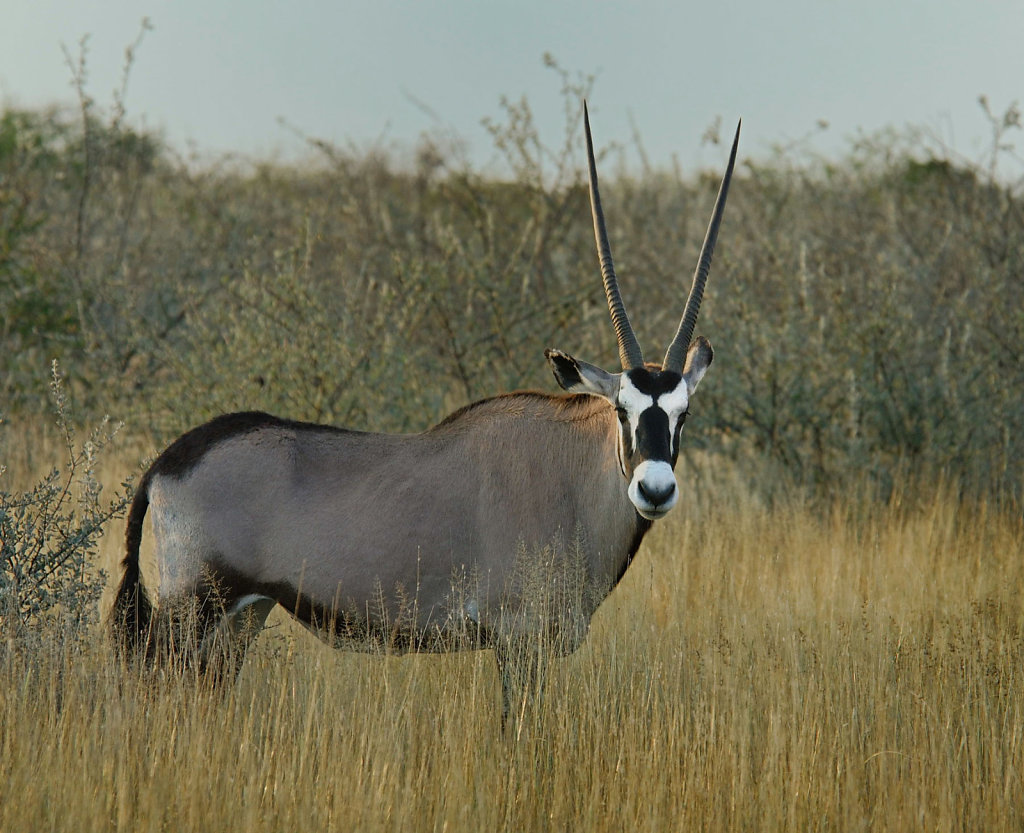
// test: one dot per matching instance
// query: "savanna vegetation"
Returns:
(826, 635)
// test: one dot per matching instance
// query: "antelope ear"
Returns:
(698, 358)
(580, 377)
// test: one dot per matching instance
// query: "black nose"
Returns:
(656, 495)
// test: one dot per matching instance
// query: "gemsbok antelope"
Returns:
(416, 542)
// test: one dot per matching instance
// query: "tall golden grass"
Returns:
(854, 666)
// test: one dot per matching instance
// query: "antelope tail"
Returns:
(132, 613)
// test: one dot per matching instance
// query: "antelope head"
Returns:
(651, 401)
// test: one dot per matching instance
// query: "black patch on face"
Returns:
(676, 435)
(654, 381)
(653, 441)
(625, 440)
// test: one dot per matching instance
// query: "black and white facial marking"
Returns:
(651, 404)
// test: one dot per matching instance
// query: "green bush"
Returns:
(867, 313)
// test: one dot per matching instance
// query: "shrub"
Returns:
(866, 312)
(49, 534)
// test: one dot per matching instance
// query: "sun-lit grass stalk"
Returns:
(803, 666)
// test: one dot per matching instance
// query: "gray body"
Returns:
(504, 526)
(406, 541)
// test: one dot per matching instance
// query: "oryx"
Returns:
(414, 542)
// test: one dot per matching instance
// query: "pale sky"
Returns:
(220, 73)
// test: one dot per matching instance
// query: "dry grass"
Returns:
(796, 668)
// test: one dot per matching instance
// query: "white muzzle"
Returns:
(653, 489)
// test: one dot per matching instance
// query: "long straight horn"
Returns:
(676, 354)
(630, 353)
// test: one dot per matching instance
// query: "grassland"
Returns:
(853, 665)
(826, 635)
